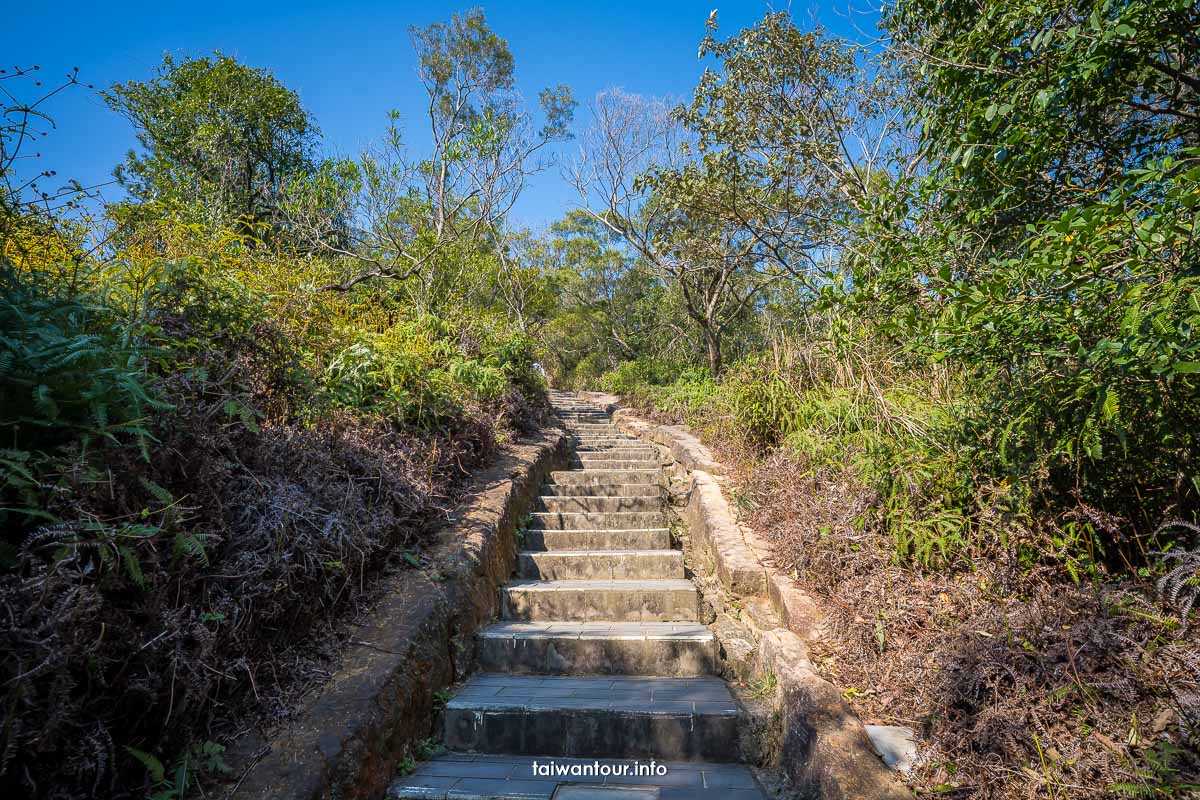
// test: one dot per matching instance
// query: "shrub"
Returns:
(71, 374)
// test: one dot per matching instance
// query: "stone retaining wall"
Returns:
(823, 746)
(348, 740)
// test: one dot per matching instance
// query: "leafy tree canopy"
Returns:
(220, 139)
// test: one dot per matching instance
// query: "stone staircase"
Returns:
(600, 653)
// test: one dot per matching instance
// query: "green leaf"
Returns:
(158, 772)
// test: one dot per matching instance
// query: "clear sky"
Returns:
(351, 62)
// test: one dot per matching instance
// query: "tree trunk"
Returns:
(712, 342)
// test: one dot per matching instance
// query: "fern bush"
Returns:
(72, 375)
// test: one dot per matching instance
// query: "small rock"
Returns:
(895, 744)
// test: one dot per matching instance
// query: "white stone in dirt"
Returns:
(895, 745)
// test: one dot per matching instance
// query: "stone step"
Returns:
(605, 437)
(611, 464)
(594, 477)
(600, 490)
(554, 541)
(481, 776)
(589, 446)
(579, 520)
(590, 565)
(625, 453)
(643, 502)
(684, 719)
(600, 601)
(617, 454)
(674, 649)
(589, 427)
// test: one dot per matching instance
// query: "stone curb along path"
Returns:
(823, 748)
(601, 657)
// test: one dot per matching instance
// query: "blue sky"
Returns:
(351, 62)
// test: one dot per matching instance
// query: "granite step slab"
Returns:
(587, 464)
(591, 504)
(600, 565)
(600, 520)
(684, 719)
(601, 490)
(602, 476)
(600, 600)
(592, 540)
(476, 776)
(675, 649)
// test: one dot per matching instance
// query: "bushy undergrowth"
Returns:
(952, 472)
(204, 460)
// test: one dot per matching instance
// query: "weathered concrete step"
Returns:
(619, 446)
(601, 490)
(609, 464)
(559, 520)
(606, 441)
(619, 454)
(591, 565)
(601, 601)
(674, 649)
(592, 445)
(595, 477)
(476, 776)
(593, 427)
(643, 502)
(685, 719)
(553, 541)
(627, 453)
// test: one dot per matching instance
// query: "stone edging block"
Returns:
(825, 745)
(419, 638)
(719, 540)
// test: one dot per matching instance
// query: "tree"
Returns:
(1062, 143)
(610, 306)
(634, 176)
(413, 215)
(221, 140)
(790, 134)
(1030, 108)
